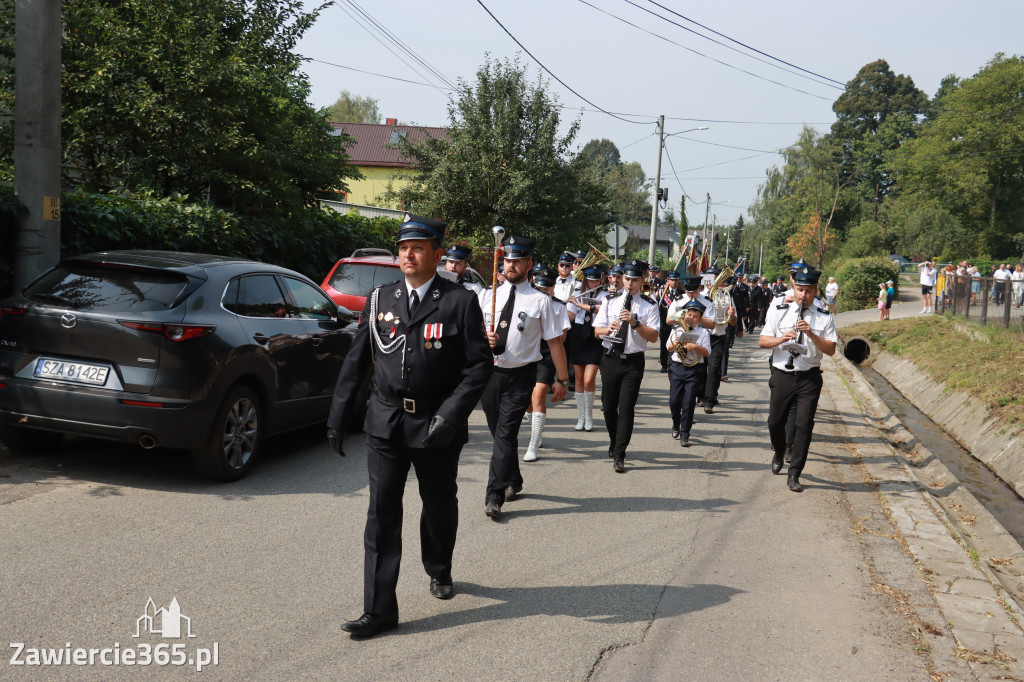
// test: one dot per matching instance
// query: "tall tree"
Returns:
(626, 183)
(505, 163)
(352, 108)
(195, 97)
(967, 158)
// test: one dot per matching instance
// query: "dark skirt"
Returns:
(586, 349)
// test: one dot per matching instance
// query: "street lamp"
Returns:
(657, 182)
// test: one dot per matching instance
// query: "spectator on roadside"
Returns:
(1017, 277)
(1001, 277)
(883, 294)
(831, 291)
(928, 277)
(948, 276)
(975, 283)
(890, 294)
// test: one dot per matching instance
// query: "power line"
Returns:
(384, 45)
(729, 146)
(371, 73)
(722, 163)
(401, 44)
(697, 52)
(541, 64)
(842, 86)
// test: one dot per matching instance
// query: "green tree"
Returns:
(867, 238)
(194, 97)
(505, 163)
(626, 183)
(932, 232)
(967, 158)
(352, 108)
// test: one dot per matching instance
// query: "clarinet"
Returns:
(799, 339)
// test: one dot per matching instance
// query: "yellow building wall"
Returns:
(374, 184)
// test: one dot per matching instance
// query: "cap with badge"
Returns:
(672, 274)
(418, 227)
(518, 247)
(616, 269)
(807, 276)
(634, 268)
(694, 304)
(545, 277)
(580, 255)
(537, 268)
(459, 252)
(796, 266)
(567, 257)
(713, 271)
(691, 283)
(593, 272)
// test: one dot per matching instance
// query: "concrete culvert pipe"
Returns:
(857, 349)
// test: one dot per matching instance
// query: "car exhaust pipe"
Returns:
(147, 441)
(857, 349)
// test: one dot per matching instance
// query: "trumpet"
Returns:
(689, 358)
(594, 256)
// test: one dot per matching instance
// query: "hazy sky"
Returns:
(625, 69)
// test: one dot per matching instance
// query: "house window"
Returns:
(336, 131)
(397, 136)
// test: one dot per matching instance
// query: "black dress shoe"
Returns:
(367, 625)
(493, 509)
(685, 442)
(619, 465)
(794, 484)
(709, 408)
(611, 451)
(675, 433)
(777, 463)
(441, 590)
(664, 370)
(512, 492)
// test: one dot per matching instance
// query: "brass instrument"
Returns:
(689, 358)
(594, 256)
(719, 295)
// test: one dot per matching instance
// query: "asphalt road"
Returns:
(694, 564)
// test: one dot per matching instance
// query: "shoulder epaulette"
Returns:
(616, 294)
(824, 310)
(648, 299)
(783, 306)
(557, 300)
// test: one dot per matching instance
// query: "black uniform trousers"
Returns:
(663, 333)
(505, 401)
(682, 395)
(751, 318)
(730, 339)
(436, 470)
(803, 388)
(620, 388)
(716, 365)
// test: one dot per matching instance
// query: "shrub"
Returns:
(307, 241)
(858, 281)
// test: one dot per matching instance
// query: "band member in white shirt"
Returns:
(628, 321)
(686, 369)
(800, 335)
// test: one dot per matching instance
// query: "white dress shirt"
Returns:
(703, 339)
(564, 286)
(534, 311)
(677, 305)
(781, 318)
(646, 313)
(579, 314)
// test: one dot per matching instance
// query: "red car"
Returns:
(352, 279)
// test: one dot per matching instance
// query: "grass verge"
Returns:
(985, 362)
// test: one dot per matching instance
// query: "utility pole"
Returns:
(657, 190)
(704, 232)
(37, 145)
(760, 261)
(728, 231)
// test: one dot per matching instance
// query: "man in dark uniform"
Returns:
(632, 318)
(524, 319)
(764, 302)
(458, 257)
(731, 330)
(800, 335)
(423, 339)
(665, 297)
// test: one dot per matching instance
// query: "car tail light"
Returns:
(141, 403)
(11, 310)
(172, 332)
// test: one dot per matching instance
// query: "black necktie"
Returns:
(505, 321)
(414, 301)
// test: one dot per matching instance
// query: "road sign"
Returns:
(618, 235)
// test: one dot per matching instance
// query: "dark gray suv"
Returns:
(181, 350)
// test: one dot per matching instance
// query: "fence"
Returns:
(983, 299)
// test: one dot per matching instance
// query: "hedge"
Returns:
(308, 241)
(858, 280)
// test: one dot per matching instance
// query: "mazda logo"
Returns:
(68, 320)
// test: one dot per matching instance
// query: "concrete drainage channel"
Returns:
(986, 511)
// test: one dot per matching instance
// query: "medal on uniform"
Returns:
(503, 324)
(389, 316)
(380, 316)
(394, 330)
(432, 332)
